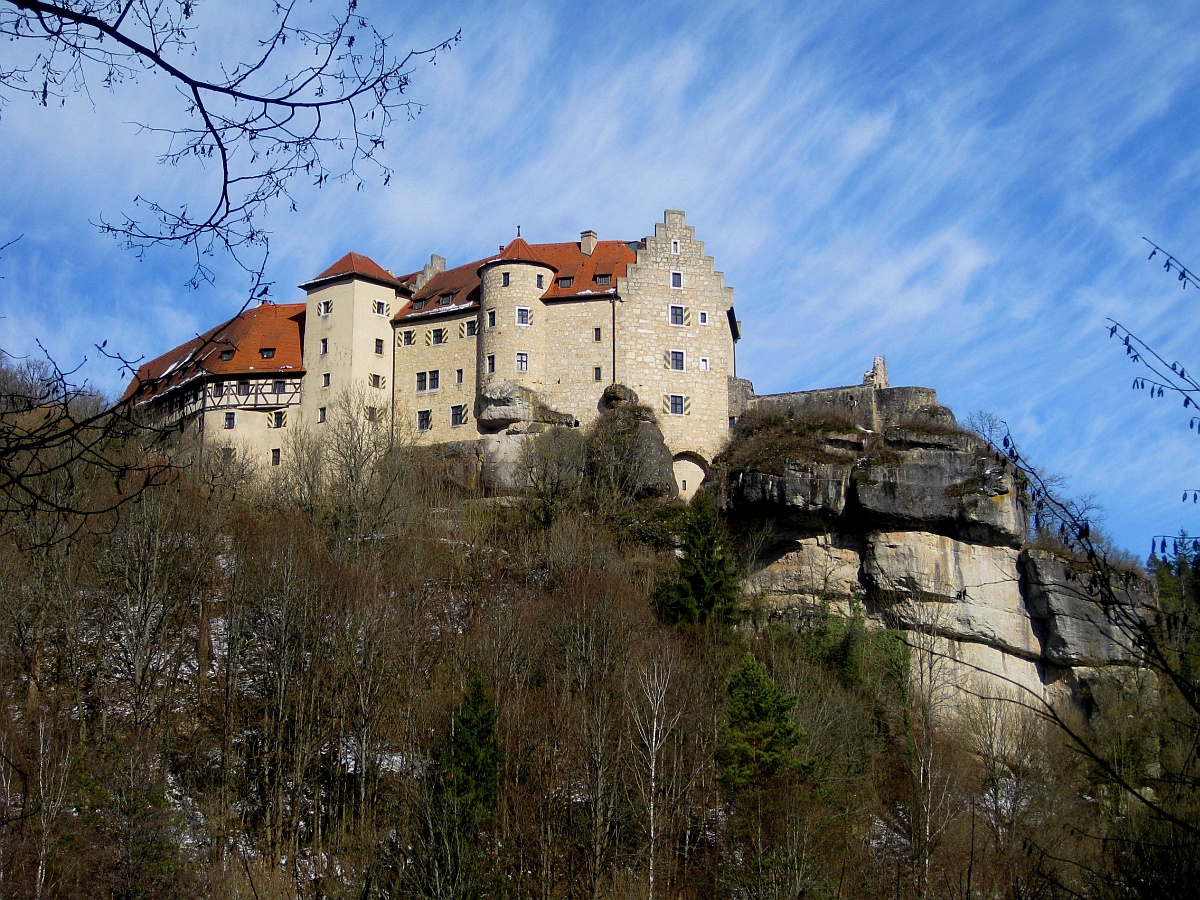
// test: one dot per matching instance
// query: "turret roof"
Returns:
(356, 264)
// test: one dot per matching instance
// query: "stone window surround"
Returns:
(523, 314)
(679, 356)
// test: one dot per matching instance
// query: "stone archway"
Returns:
(690, 469)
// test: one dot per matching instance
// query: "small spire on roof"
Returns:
(518, 231)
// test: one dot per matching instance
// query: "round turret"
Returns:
(511, 334)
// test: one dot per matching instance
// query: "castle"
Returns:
(529, 336)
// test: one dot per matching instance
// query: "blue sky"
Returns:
(960, 187)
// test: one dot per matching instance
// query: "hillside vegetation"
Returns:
(364, 680)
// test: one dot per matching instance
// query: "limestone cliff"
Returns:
(873, 500)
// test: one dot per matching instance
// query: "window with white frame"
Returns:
(435, 377)
(597, 373)
(409, 337)
(704, 364)
(597, 335)
(675, 247)
(676, 279)
(491, 318)
(229, 419)
(703, 317)
(321, 413)
(324, 346)
(278, 419)
(381, 308)
(603, 280)
(472, 327)
(439, 335)
(458, 376)
(522, 362)
(424, 419)
(379, 346)
(376, 380)
(422, 381)
(324, 307)
(676, 404)
(458, 415)
(677, 315)
(675, 359)
(325, 379)
(522, 315)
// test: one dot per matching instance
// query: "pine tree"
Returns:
(705, 589)
(760, 735)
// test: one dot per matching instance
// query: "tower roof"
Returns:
(356, 264)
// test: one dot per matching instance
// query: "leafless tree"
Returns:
(311, 100)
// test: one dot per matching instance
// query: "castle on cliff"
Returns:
(531, 335)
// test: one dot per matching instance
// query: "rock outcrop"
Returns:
(878, 504)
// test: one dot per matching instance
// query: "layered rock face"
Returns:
(918, 525)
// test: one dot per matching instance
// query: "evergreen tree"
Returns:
(705, 589)
(759, 736)
(469, 761)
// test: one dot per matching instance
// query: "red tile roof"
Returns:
(610, 258)
(356, 264)
(269, 326)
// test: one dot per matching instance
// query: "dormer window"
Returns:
(226, 355)
(267, 352)
(445, 299)
(603, 280)
(566, 282)
(418, 304)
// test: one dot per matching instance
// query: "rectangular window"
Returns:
(267, 352)
(218, 389)
(504, 279)
(522, 315)
(243, 389)
(321, 413)
(596, 335)
(278, 419)
(677, 360)
(491, 365)
(422, 380)
(372, 414)
(439, 335)
(566, 282)
(458, 376)
(603, 280)
(677, 404)
(445, 299)
(325, 380)
(435, 376)
(424, 420)
(472, 327)
(541, 280)
(522, 362)
(275, 456)
(675, 247)
(280, 386)
(491, 318)
(704, 364)
(703, 317)
(379, 346)
(597, 374)
(376, 380)
(676, 279)
(408, 338)
(458, 415)
(418, 304)
(324, 346)
(229, 419)
(226, 355)
(325, 307)
(381, 308)
(676, 315)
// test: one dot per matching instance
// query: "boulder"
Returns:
(504, 403)
(966, 494)
(806, 570)
(1081, 620)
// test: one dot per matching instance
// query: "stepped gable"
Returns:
(356, 264)
(242, 338)
(611, 258)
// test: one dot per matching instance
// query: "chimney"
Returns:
(587, 242)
